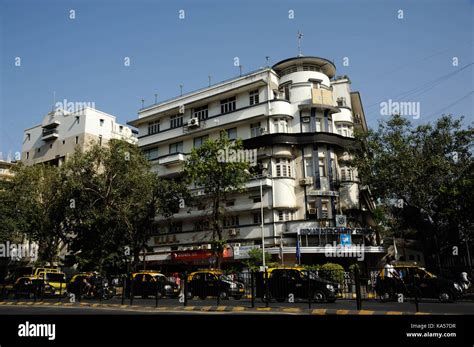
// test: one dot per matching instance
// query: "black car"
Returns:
(410, 280)
(151, 283)
(206, 283)
(30, 287)
(301, 284)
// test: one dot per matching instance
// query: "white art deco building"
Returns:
(301, 119)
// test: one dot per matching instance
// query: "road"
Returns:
(147, 306)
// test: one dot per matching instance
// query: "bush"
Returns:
(332, 272)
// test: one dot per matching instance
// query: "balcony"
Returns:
(50, 134)
(322, 96)
(255, 182)
(172, 159)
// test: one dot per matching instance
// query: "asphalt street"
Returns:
(426, 306)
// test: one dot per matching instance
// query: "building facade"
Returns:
(300, 118)
(61, 132)
(6, 169)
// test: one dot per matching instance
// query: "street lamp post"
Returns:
(261, 221)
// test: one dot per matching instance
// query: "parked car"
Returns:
(206, 283)
(297, 281)
(53, 277)
(149, 283)
(406, 279)
(30, 287)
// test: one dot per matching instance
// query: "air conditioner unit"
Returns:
(306, 181)
(312, 211)
(263, 131)
(234, 232)
(193, 122)
(305, 119)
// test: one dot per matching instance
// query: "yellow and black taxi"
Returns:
(204, 283)
(52, 277)
(151, 283)
(284, 282)
(409, 280)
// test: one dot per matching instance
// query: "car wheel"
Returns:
(319, 296)
(445, 296)
(224, 295)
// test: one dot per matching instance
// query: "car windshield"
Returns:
(226, 278)
(55, 277)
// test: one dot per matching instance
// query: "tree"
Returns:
(116, 198)
(215, 168)
(36, 208)
(423, 174)
(255, 259)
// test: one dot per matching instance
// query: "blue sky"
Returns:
(83, 59)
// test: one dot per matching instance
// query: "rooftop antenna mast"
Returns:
(300, 36)
(54, 101)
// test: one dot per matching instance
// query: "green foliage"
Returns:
(423, 176)
(332, 272)
(255, 259)
(204, 168)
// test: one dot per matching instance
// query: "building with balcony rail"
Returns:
(61, 132)
(301, 119)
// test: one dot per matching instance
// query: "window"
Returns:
(176, 227)
(253, 96)
(77, 140)
(198, 141)
(280, 125)
(151, 154)
(64, 142)
(77, 119)
(324, 209)
(344, 129)
(346, 174)
(153, 127)
(284, 216)
(255, 129)
(176, 121)
(256, 198)
(322, 168)
(120, 128)
(230, 203)
(231, 221)
(309, 167)
(101, 122)
(228, 105)
(257, 218)
(232, 133)
(318, 124)
(283, 167)
(100, 140)
(27, 155)
(176, 147)
(50, 145)
(201, 112)
(201, 225)
(39, 150)
(28, 137)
